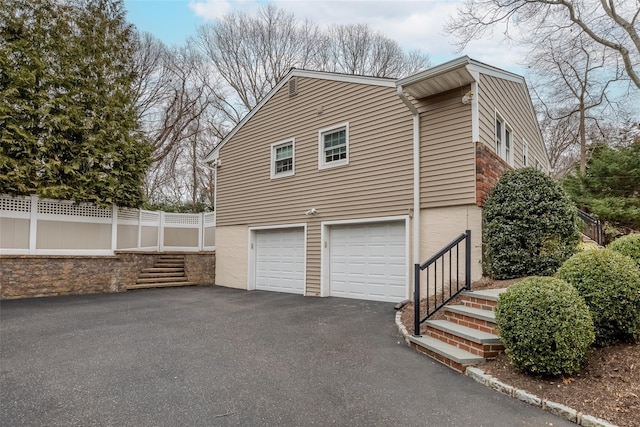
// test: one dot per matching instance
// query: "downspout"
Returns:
(416, 174)
(213, 167)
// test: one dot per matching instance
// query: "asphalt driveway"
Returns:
(215, 356)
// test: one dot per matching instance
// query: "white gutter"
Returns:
(416, 174)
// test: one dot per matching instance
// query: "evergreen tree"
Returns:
(67, 115)
(610, 187)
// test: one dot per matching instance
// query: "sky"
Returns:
(415, 24)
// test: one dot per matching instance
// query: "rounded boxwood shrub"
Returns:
(609, 282)
(587, 246)
(628, 245)
(545, 326)
(530, 226)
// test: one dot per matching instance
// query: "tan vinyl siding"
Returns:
(447, 156)
(376, 182)
(512, 101)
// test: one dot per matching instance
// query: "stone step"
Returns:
(163, 270)
(480, 343)
(161, 280)
(175, 256)
(161, 285)
(447, 354)
(484, 320)
(484, 299)
(151, 274)
(160, 264)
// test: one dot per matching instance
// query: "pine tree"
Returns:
(67, 115)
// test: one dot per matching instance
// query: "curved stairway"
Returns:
(467, 336)
(168, 271)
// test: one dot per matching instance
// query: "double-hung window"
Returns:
(283, 158)
(504, 140)
(333, 146)
(499, 131)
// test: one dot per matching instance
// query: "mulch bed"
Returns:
(607, 387)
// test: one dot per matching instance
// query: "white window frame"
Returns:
(322, 164)
(274, 147)
(506, 129)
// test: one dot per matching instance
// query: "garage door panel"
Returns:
(280, 260)
(368, 261)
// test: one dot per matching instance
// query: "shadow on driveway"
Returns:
(216, 356)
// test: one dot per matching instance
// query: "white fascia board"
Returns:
(434, 71)
(347, 78)
(537, 123)
(475, 67)
(213, 155)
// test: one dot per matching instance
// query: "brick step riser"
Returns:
(472, 322)
(479, 303)
(488, 351)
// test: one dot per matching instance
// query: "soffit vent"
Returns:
(293, 86)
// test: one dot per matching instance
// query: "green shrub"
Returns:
(609, 282)
(530, 226)
(545, 326)
(627, 245)
(609, 187)
(587, 246)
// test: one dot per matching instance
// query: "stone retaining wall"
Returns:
(24, 276)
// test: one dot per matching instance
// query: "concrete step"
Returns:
(447, 354)
(476, 318)
(161, 285)
(161, 279)
(475, 341)
(175, 256)
(484, 299)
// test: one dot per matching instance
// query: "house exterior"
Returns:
(335, 185)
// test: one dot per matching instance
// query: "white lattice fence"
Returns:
(29, 225)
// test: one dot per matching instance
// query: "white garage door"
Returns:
(280, 260)
(368, 261)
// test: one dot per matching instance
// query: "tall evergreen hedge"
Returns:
(68, 127)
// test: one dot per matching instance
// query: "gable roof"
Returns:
(440, 78)
(322, 75)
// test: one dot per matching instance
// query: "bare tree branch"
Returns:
(612, 24)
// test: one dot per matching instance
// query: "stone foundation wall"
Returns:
(200, 267)
(24, 276)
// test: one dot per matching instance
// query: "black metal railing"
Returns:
(441, 287)
(592, 227)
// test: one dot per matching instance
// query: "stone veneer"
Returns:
(489, 169)
(24, 276)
